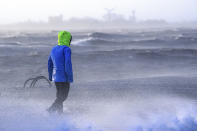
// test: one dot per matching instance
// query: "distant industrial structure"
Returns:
(110, 20)
(56, 20)
(110, 16)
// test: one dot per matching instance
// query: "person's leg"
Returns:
(63, 90)
(61, 95)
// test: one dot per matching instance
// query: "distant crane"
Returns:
(109, 14)
(133, 17)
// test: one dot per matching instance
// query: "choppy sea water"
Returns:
(123, 81)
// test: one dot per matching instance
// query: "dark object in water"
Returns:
(34, 80)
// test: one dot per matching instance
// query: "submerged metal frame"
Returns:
(34, 80)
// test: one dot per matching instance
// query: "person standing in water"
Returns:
(60, 70)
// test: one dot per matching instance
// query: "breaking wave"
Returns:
(102, 41)
(137, 38)
(10, 44)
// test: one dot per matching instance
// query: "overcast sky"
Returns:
(171, 10)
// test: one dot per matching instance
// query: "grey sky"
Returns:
(171, 10)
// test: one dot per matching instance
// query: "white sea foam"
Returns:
(139, 114)
(81, 42)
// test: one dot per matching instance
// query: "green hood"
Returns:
(64, 38)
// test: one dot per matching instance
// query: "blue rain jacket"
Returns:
(59, 62)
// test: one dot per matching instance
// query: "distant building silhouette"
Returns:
(111, 17)
(56, 20)
(108, 15)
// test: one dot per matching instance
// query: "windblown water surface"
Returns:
(123, 81)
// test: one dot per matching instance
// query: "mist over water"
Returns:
(123, 81)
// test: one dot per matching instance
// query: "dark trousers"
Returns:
(61, 95)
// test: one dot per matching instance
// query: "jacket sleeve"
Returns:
(50, 68)
(68, 64)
